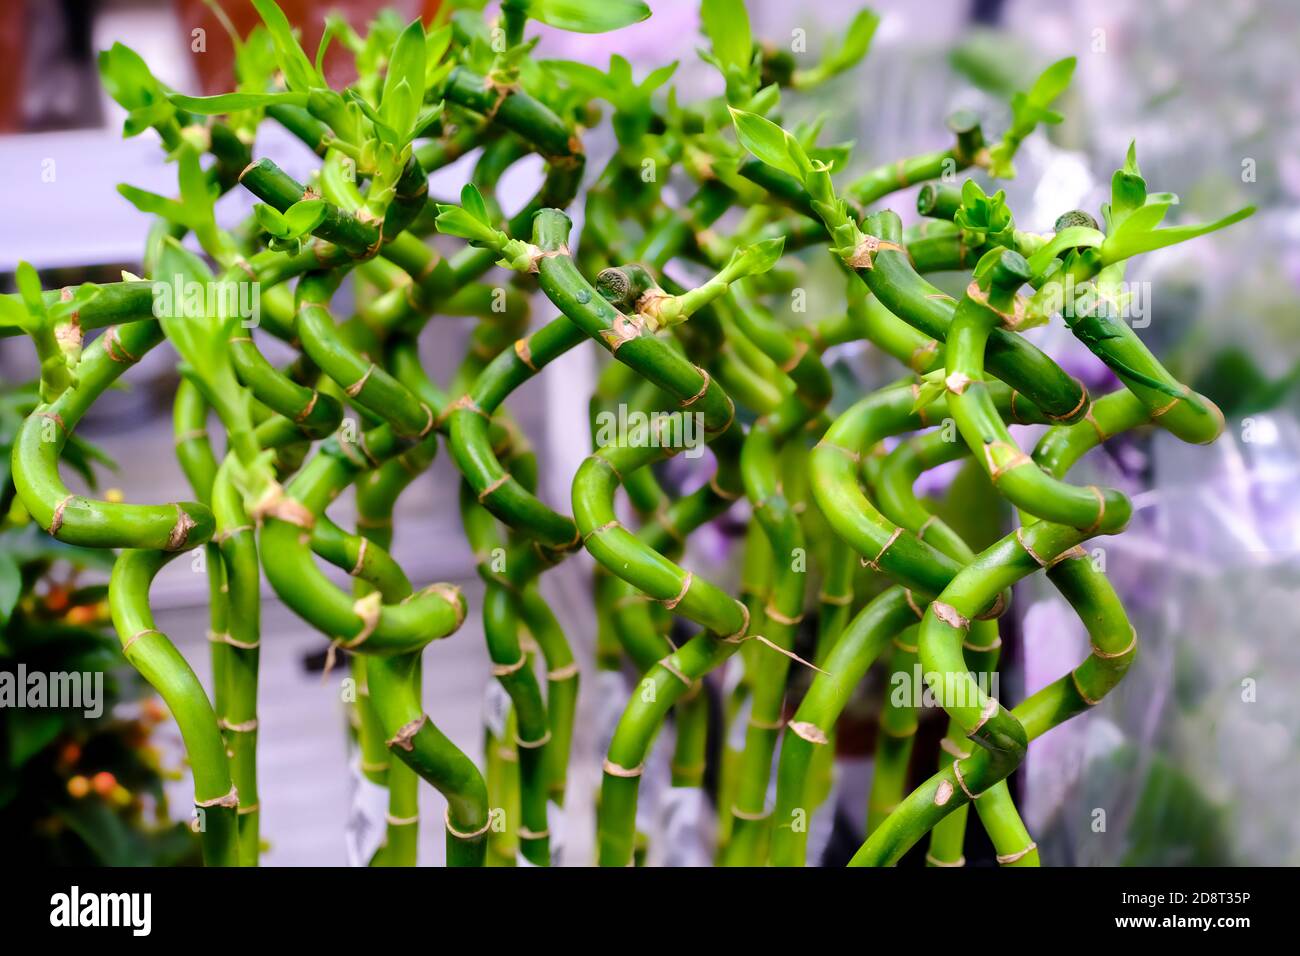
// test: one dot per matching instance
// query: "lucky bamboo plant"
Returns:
(681, 274)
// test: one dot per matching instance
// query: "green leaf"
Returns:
(1028, 109)
(153, 204)
(31, 730)
(856, 43)
(472, 202)
(147, 117)
(455, 221)
(582, 76)
(86, 293)
(1051, 83)
(198, 193)
(1131, 240)
(406, 66)
(299, 73)
(588, 16)
(436, 44)
(386, 132)
(29, 287)
(425, 119)
(1128, 191)
(304, 216)
(332, 27)
(11, 586)
(1071, 238)
(658, 78)
(233, 102)
(768, 142)
(726, 24)
(620, 73)
(126, 77)
(929, 391)
(399, 109)
(271, 220)
(754, 260)
(12, 313)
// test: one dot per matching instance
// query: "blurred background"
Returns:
(1185, 762)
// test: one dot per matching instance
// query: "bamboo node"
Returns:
(1078, 688)
(863, 255)
(463, 835)
(230, 800)
(57, 419)
(1111, 655)
(1165, 408)
(991, 646)
(1069, 554)
(961, 780)
(874, 563)
(404, 738)
(995, 611)
(247, 727)
(672, 603)
(957, 382)
(721, 492)
(950, 615)
(563, 673)
(274, 503)
(853, 456)
(990, 708)
(667, 664)
(916, 609)
(505, 670)
(780, 618)
(704, 387)
(800, 350)
(1010, 320)
(920, 357)
(1101, 510)
(355, 388)
(535, 258)
(493, 486)
(1004, 859)
(1083, 400)
(607, 526)
(56, 522)
(525, 354)
(466, 402)
(361, 557)
(614, 770)
(113, 346)
(739, 636)
(809, 731)
(1018, 459)
(126, 645)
